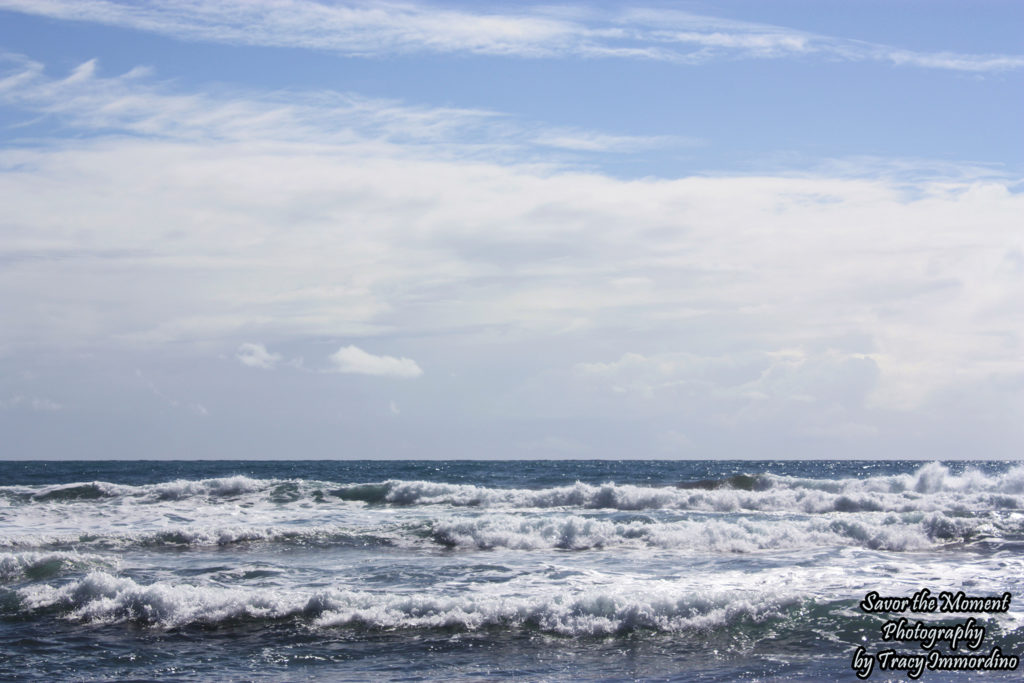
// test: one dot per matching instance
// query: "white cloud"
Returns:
(204, 236)
(220, 241)
(367, 28)
(257, 356)
(352, 359)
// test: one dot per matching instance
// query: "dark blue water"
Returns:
(469, 570)
(491, 473)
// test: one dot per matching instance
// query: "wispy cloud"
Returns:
(133, 102)
(589, 141)
(378, 28)
(136, 103)
(353, 360)
(359, 28)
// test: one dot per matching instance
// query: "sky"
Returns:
(311, 229)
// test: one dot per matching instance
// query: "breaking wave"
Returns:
(699, 533)
(661, 606)
(738, 514)
(888, 532)
(931, 488)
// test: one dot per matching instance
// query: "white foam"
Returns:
(901, 512)
(222, 487)
(930, 488)
(704, 534)
(101, 597)
(555, 529)
(596, 610)
(655, 605)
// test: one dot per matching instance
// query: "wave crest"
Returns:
(597, 610)
(931, 489)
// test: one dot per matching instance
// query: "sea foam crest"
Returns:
(931, 489)
(706, 535)
(595, 610)
(557, 529)
(590, 610)
(221, 487)
(102, 597)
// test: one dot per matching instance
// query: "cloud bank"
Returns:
(199, 221)
(285, 231)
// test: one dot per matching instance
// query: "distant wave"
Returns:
(742, 513)
(557, 530)
(931, 489)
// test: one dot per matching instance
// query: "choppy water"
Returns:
(576, 570)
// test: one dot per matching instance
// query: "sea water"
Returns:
(470, 570)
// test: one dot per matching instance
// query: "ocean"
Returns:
(524, 570)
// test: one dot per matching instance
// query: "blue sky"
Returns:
(328, 229)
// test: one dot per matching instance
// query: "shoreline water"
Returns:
(527, 570)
